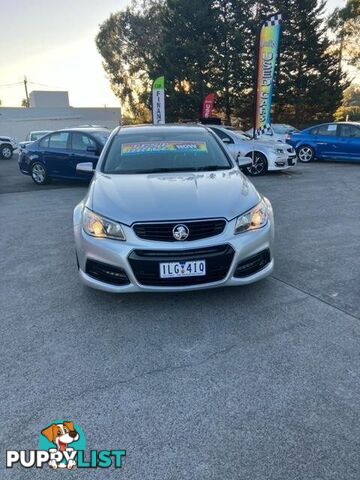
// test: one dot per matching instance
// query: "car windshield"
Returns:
(37, 135)
(283, 128)
(242, 135)
(170, 151)
(102, 136)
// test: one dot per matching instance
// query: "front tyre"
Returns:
(6, 152)
(259, 166)
(305, 154)
(39, 174)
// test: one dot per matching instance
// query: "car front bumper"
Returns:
(281, 162)
(116, 254)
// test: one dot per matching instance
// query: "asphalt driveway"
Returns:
(252, 383)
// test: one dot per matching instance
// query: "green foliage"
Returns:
(184, 56)
(128, 41)
(310, 84)
(350, 107)
(204, 46)
(345, 22)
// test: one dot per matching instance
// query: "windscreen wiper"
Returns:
(212, 168)
(169, 170)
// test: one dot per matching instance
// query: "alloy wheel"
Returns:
(6, 152)
(305, 154)
(38, 173)
(258, 167)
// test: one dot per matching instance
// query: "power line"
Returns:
(29, 81)
(10, 84)
(43, 85)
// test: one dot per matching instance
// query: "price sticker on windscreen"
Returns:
(139, 148)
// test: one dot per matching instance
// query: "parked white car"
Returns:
(277, 132)
(7, 147)
(268, 155)
(33, 136)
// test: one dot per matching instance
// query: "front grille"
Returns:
(146, 265)
(106, 273)
(162, 232)
(253, 264)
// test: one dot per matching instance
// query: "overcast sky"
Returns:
(52, 42)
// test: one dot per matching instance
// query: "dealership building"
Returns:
(52, 111)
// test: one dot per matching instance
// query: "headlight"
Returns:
(100, 227)
(255, 218)
(279, 151)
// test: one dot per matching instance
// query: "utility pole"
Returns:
(26, 93)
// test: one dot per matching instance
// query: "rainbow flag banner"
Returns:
(267, 57)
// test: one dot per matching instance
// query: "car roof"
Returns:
(336, 123)
(214, 125)
(83, 130)
(148, 128)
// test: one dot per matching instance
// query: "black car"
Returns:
(56, 155)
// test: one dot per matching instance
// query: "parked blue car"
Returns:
(56, 155)
(328, 141)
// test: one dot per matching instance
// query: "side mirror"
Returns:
(243, 161)
(85, 167)
(226, 140)
(91, 149)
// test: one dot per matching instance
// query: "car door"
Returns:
(327, 142)
(227, 140)
(84, 148)
(349, 142)
(56, 154)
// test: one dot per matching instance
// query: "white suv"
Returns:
(7, 147)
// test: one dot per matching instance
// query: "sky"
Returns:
(52, 42)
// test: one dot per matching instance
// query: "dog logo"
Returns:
(180, 232)
(62, 435)
(62, 445)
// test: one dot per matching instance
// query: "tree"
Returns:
(184, 56)
(345, 23)
(350, 107)
(309, 85)
(24, 103)
(200, 46)
(204, 46)
(127, 41)
(233, 43)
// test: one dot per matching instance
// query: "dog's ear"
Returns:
(50, 432)
(70, 426)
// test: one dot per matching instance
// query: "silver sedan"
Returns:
(168, 209)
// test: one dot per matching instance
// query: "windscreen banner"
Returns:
(158, 101)
(208, 105)
(267, 57)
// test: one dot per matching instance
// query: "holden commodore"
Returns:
(168, 209)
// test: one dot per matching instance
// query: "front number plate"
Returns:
(194, 268)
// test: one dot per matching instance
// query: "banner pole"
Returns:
(257, 52)
(152, 102)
